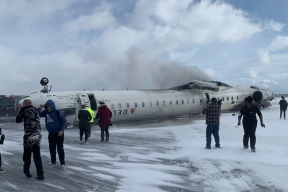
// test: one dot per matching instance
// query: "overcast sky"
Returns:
(119, 44)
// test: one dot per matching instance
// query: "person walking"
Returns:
(212, 112)
(91, 121)
(55, 124)
(104, 115)
(249, 112)
(2, 137)
(32, 138)
(84, 117)
(283, 107)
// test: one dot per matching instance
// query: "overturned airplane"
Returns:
(188, 99)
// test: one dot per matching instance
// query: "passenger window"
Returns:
(127, 105)
(232, 98)
(143, 104)
(157, 103)
(135, 104)
(187, 101)
(182, 101)
(170, 102)
(237, 98)
(227, 98)
(222, 98)
(193, 101)
(176, 102)
(119, 105)
(150, 103)
(112, 106)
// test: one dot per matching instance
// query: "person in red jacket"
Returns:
(104, 115)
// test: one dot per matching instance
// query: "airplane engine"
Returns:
(257, 96)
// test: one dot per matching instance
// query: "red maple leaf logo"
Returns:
(133, 110)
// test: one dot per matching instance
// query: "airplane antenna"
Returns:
(50, 88)
(103, 89)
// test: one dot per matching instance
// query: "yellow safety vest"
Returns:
(92, 114)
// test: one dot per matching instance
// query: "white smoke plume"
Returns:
(139, 71)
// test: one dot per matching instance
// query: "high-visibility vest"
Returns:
(92, 114)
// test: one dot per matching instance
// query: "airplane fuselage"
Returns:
(144, 104)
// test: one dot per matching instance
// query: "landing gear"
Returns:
(44, 82)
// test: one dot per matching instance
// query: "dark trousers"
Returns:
(56, 141)
(106, 133)
(89, 129)
(37, 160)
(249, 132)
(212, 129)
(284, 113)
(82, 131)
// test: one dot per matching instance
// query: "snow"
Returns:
(164, 156)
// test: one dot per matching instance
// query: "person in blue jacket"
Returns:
(55, 124)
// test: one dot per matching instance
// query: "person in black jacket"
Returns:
(283, 107)
(31, 139)
(84, 117)
(1, 170)
(249, 112)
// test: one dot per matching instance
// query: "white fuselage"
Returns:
(142, 104)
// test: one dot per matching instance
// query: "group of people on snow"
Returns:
(55, 124)
(248, 112)
(86, 118)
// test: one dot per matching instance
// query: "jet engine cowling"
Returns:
(257, 96)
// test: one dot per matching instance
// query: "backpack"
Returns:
(58, 115)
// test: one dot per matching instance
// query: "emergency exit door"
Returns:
(207, 98)
(200, 98)
(84, 99)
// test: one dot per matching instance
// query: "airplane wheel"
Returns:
(44, 81)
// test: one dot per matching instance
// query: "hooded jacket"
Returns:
(84, 117)
(283, 104)
(53, 124)
(32, 126)
(105, 115)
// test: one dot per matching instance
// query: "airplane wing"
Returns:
(197, 84)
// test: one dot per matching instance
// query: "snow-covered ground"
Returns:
(159, 156)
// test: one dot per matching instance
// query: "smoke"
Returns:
(139, 71)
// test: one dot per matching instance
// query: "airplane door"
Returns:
(207, 97)
(201, 98)
(84, 99)
(93, 102)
